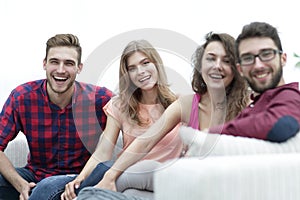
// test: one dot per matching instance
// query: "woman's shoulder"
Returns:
(186, 102)
(187, 98)
(114, 103)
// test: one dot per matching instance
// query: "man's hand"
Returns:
(24, 193)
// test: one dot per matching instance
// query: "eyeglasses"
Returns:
(264, 56)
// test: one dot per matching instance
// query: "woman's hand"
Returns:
(69, 192)
(108, 182)
(107, 185)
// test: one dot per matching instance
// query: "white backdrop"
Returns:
(26, 25)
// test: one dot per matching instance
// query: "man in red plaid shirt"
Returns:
(61, 118)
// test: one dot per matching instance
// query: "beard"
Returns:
(59, 91)
(273, 83)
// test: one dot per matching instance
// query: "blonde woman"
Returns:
(143, 96)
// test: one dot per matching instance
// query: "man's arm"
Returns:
(7, 170)
(276, 121)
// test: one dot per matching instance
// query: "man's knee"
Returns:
(51, 186)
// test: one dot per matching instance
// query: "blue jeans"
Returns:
(96, 175)
(7, 191)
(50, 188)
(46, 189)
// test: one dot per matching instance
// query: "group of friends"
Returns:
(73, 127)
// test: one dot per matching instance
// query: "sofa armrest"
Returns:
(201, 144)
(17, 151)
(251, 177)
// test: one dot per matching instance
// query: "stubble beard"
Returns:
(273, 83)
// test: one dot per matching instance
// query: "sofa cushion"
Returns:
(202, 144)
(241, 177)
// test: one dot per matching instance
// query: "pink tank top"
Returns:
(194, 117)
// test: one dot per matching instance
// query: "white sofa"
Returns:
(219, 168)
(231, 168)
(17, 151)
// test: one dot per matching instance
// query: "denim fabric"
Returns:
(7, 191)
(96, 175)
(91, 193)
(51, 188)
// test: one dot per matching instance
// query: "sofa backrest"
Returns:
(17, 150)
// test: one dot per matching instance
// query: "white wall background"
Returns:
(26, 25)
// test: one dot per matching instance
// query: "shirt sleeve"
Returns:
(104, 96)
(276, 119)
(8, 122)
(112, 108)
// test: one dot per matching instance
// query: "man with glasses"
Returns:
(274, 113)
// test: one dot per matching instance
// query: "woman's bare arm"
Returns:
(143, 144)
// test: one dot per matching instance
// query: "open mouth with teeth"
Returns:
(145, 78)
(216, 76)
(60, 79)
(261, 75)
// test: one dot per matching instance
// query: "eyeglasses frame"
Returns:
(275, 51)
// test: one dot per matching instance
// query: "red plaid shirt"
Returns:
(60, 140)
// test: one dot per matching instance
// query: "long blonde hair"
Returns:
(129, 94)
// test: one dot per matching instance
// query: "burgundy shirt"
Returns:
(60, 140)
(274, 115)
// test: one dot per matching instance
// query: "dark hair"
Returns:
(198, 84)
(68, 40)
(237, 90)
(258, 29)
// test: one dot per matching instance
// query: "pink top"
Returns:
(194, 117)
(169, 147)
